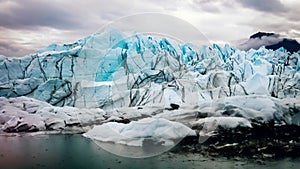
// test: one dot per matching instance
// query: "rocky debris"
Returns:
(260, 142)
(174, 106)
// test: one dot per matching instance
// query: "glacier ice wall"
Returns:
(110, 70)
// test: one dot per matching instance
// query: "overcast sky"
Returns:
(27, 25)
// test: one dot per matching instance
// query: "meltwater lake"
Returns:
(74, 151)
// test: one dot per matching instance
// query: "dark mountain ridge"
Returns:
(291, 45)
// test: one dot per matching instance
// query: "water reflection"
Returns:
(77, 152)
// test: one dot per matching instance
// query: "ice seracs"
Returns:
(110, 70)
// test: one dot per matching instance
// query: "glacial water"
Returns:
(77, 152)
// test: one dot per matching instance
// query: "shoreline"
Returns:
(261, 142)
(77, 152)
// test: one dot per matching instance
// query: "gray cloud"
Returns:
(13, 50)
(257, 42)
(264, 5)
(30, 14)
(280, 24)
(44, 22)
(206, 5)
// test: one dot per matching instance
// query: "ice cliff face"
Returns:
(110, 70)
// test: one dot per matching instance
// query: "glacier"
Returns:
(110, 77)
(109, 70)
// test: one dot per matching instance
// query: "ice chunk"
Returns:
(23, 114)
(134, 134)
(225, 122)
(257, 84)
